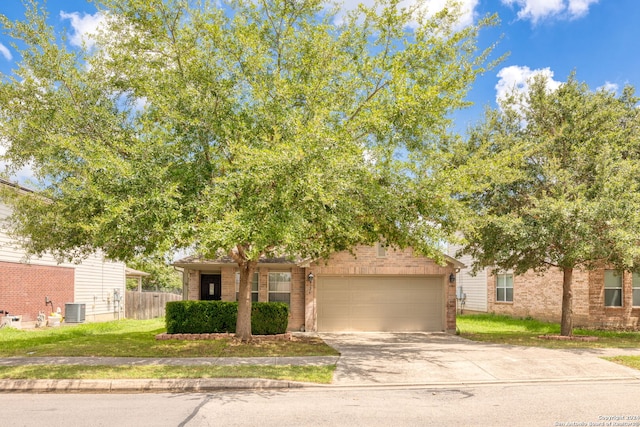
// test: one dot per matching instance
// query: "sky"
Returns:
(599, 40)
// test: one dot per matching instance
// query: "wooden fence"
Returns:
(147, 305)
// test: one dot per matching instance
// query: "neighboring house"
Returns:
(378, 289)
(471, 290)
(25, 286)
(602, 298)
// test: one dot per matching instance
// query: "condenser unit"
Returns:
(74, 312)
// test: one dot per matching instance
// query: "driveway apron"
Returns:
(437, 358)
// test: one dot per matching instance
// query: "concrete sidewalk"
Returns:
(367, 360)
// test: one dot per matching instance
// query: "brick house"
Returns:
(375, 289)
(97, 283)
(602, 298)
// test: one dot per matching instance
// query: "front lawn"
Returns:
(315, 374)
(136, 338)
(507, 330)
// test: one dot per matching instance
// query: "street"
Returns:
(601, 403)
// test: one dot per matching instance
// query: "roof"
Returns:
(15, 185)
(193, 260)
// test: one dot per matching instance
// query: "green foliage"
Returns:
(254, 129)
(197, 317)
(557, 176)
(269, 318)
(162, 278)
(558, 180)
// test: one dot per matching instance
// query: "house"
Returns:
(41, 284)
(471, 289)
(602, 298)
(374, 289)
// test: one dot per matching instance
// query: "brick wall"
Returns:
(23, 288)
(626, 316)
(228, 273)
(540, 296)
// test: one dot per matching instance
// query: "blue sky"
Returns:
(599, 39)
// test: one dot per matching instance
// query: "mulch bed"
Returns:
(568, 338)
(255, 338)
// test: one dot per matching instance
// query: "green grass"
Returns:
(314, 374)
(507, 330)
(136, 338)
(630, 361)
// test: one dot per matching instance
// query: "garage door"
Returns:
(380, 304)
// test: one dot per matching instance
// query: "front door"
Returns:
(210, 287)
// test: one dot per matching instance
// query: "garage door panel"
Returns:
(380, 303)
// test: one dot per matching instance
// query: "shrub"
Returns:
(201, 317)
(269, 318)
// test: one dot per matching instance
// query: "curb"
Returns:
(141, 386)
(213, 384)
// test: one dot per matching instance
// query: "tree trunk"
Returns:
(566, 325)
(243, 323)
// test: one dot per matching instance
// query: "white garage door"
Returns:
(380, 304)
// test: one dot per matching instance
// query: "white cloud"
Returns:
(4, 51)
(467, 7)
(84, 26)
(536, 10)
(22, 175)
(579, 8)
(609, 87)
(517, 78)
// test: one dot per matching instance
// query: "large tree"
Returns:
(255, 128)
(558, 183)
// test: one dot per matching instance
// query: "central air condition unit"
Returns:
(74, 312)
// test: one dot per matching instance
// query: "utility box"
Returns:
(74, 312)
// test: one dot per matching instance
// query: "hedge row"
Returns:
(207, 317)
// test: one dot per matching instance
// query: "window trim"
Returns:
(504, 287)
(635, 288)
(620, 274)
(270, 292)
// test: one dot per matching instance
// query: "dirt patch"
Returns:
(568, 338)
(255, 338)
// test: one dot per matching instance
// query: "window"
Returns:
(636, 289)
(381, 250)
(254, 286)
(504, 288)
(612, 288)
(280, 287)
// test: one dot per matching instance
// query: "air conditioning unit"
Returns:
(74, 312)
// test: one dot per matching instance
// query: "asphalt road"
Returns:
(531, 404)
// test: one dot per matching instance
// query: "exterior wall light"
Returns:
(310, 277)
(452, 278)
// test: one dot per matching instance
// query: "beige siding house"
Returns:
(96, 282)
(375, 289)
(472, 288)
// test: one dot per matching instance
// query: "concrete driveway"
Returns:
(438, 358)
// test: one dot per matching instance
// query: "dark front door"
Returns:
(210, 287)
